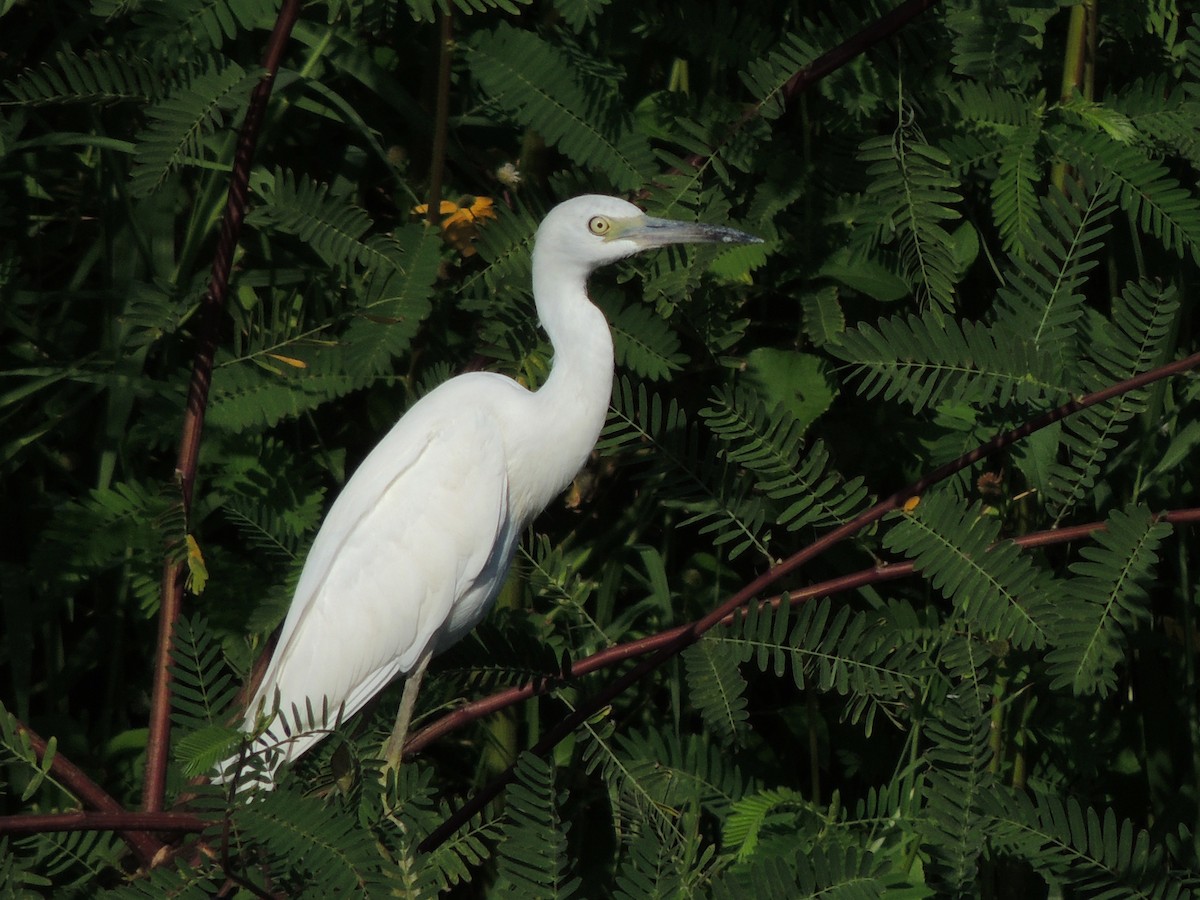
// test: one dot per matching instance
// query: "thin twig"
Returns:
(207, 331)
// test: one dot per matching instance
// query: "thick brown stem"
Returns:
(207, 330)
(137, 824)
(73, 778)
(437, 163)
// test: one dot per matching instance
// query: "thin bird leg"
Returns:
(393, 750)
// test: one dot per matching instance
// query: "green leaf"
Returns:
(865, 275)
(798, 382)
(533, 860)
(1104, 601)
(717, 687)
(993, 585)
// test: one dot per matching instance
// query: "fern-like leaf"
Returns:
(1072, 845)
(824, 320)
(769, 444)
(246, 397)
(202, 23)
(912, 193)
(1043, 297)
(202, 696)
(955, 789)
(646, 872)
(1160, 204)
(99, 78)
(929, 360)
(854, 654)
(717, 687)
(994, 586)
(754, 813)
(664, 781)
(643, 341)
(1134, 342)
(712, 494)
(532, 853)
(299, 837)
(767, 76)
(1014, 200)
(1104, 601)
(181, 120)
(535, 82)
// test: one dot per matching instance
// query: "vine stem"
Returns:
(208, 329)
(682, 638)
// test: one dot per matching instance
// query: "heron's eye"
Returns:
(599, 225)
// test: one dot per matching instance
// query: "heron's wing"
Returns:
(410, 536)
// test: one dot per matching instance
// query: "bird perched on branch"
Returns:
(418, 544)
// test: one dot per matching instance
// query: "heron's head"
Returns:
(594, 230)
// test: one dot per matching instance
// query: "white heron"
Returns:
(417, 546)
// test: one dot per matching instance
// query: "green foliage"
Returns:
(910, 195)
(955, 787)
(717, 688)
(1106, 598)
(768, 444)
(931, 360)
(1078, 847)
(98, 78)
(18, 748)
(202, 696)
(708, 492)
(533, 859)
(184, 118)
(994, 588)
(1133, 343)
(537, 84)
(951, 700)
(312, 850)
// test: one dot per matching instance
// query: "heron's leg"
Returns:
(393, 750)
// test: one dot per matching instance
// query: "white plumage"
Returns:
(416, 547)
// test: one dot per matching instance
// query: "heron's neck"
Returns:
(572, 404)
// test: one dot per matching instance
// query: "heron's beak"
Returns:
(648, 232)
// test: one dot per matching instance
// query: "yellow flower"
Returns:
(460, 222)
(445, 207)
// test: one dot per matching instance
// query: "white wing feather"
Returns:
(422, 530)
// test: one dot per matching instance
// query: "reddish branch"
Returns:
(610, 656)
(207, 330)
(681, 638)
(827, 63)
(75, 780)
(130, 824)
(115, 819)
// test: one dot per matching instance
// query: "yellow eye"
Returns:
(599, 225)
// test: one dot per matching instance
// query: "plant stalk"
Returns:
(208, 329)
